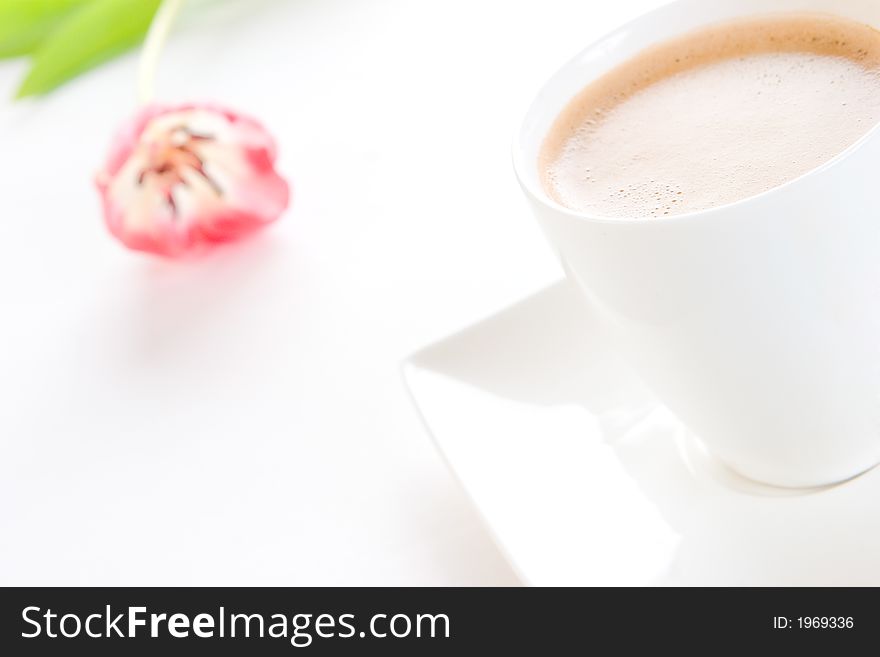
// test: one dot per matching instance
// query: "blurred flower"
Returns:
(178, 178)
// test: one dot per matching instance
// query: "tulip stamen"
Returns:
(174, 154)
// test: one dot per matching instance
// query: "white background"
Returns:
(240, 419)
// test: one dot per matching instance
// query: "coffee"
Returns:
(715, 116)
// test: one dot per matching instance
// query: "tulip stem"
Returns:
(157, 36)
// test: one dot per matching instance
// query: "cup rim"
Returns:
(521, 159)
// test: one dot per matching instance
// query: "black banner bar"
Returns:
(337, 621)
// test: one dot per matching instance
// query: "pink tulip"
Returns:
(179, 178)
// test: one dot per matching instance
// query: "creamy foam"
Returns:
(715, 116)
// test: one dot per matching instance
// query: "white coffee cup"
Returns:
(757, 323)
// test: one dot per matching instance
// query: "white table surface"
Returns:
(241, 419)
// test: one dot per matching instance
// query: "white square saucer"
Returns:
(584, 479)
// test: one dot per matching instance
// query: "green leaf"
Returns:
(24, 24)
(95, 33)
